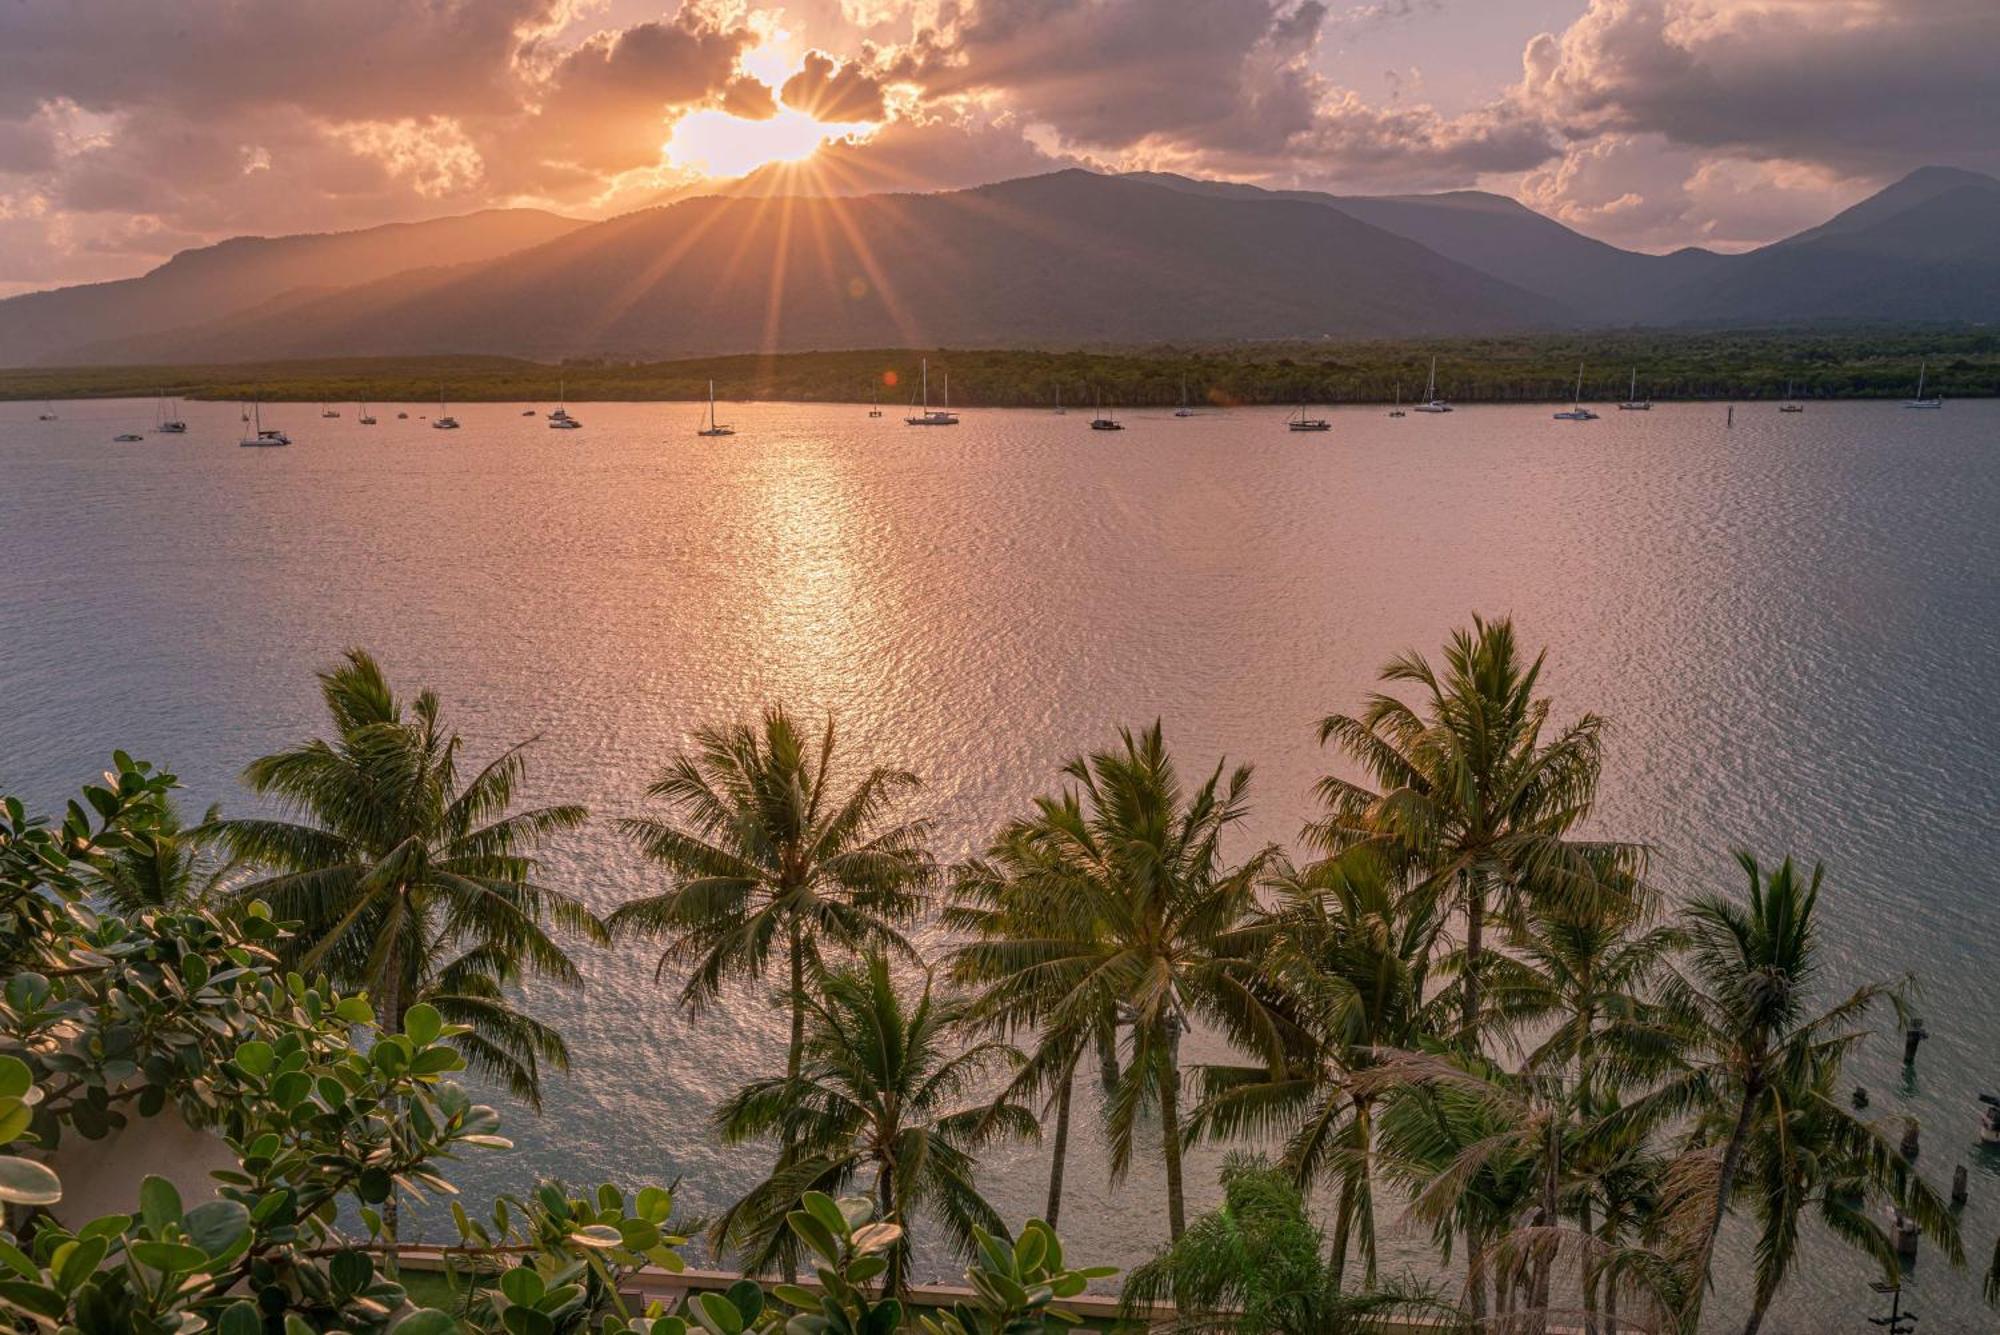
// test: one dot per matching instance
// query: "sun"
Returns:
(716, 143)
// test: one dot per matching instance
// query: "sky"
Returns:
(131, 129)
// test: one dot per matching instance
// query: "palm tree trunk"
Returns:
(1475, 940)
(389, 1020)
(1107, 1053)
(1588, 1270)
(1475, 1274)
(1610, 1239)
(795, 1054)
(1170, 1128)
(1732, 1159)
(1061, 1145)
(1355, 1188)
(1538, 1292)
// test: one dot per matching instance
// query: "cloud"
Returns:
(940, 150)
(828, 90)
(1860, 86)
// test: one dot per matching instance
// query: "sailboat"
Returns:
(48, 413)
(1396, 409)
(714, 428)
(325, 411)
(1633, 403)
(128, 436)
(1060, 410)
(261, 437)
(1790, 405)
(364, 416)
(1105, 421)
(1432, 403)
(875, 402)
(1920, 401)
(441, 422)
(1577, 412)
(167, 421)
(1184, 410)
(560, 420)
(1298, 421)
(934, 416)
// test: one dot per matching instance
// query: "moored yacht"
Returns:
(714, 428)
(1577, 412)
(1633, 403)
(363, 416)
(261, 436)
(1920, 401)
(1432, 403)
(1791, 404)
(443, 422)
(167, 419)
(1396, 409)
(1298, 421)
(1104, 421)
(48, 413)
(560, 420)
(930, 416)
(1184, 410)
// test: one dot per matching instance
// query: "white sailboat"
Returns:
(1920, 401)
(714, 428)
(1184, 410)
(260, 436)
(1577, 412)
(1432, 403)
(1104, 421)
(327, 411)
(1060, 410)
(1790, 405)
(930, 416)
(560, 420)
(1396, 409)
(1633, 403)
(167, 420)
(363, 415)
(875, 402)
(1298, 421)
(442, 422)
(48, 413)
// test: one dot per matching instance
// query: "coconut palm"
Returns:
(995, 900)
(168, 865)
(407, 880)
(1758, 1059)
(1470, 797)
(1346, 968)
(885, 1090)
(1141, 913)
(1257, 1265)
(762, 853)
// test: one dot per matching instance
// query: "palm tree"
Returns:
(1469, 796)
(168, 865)
(1139, 913)
(1579, 978)
(1346, 968)
(407, 881)
(884, 1089)
(1756, 1062)
(761, 852)
(1257, 1265)
(995, 900)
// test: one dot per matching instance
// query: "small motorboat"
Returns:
(1989, 1121)
(128, 436)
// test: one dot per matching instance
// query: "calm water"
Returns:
(1794, 625)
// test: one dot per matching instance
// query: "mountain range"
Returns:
(1069, 258)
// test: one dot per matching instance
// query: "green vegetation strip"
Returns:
(1746, 364)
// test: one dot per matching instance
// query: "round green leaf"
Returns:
(523, 1286)
(422, 1024)
(25, 1182)
(427, 1321)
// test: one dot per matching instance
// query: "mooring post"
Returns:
(1909, 1137)
(1912, 1036)
(1958, 1189)
(1905, 1230)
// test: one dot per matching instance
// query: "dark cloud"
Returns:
(1859, 85)
(749, 98)
(606, 103)
(828, 90)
